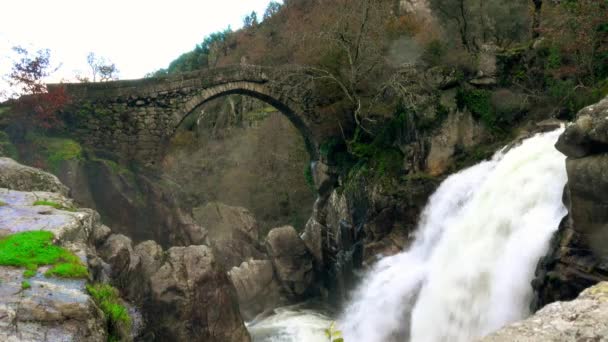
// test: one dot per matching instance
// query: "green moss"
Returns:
(55, 150)
(2, 204)
(35, 248)
(108, 299)
(25, 285)
(68, 270)
(29, 273)
(54, 205)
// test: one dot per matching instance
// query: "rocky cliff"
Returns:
(39, 303)
(578, 257)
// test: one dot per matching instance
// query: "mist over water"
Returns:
(468, 272)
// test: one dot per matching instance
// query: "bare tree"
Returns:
(101, 67)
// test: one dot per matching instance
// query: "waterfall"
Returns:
(468, 272)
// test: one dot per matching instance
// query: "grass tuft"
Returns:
(29, 273)
(35, 248)
(25, 285)
(108, 299)
(55, 205)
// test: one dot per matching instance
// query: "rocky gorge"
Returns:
(264, 188)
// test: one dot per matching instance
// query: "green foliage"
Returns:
(434, 53)
(35, 248)
(55, 205)
(333, 334)
(108, 299)
(25, 285)
(479, 102)
(6, 147)
(203, 56)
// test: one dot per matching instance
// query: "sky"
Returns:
(139, 36)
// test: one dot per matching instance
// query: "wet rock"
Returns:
(192, 299)
(578, 256)
(256, 287)
(588, 134)
(291, 259)
(583, 319)
(15, 176)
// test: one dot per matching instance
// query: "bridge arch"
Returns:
(258, 91)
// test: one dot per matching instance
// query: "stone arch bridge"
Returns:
(134, 119)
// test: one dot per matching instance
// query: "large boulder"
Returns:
(292, 261)
(192, 299)
(588, 134)
(583, 319)
(232, 233)
(578, 257)
(256, 287)
(15, 176)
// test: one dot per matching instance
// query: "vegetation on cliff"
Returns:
(116, 313)
(33, 249)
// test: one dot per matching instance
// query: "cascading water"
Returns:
(469, 270)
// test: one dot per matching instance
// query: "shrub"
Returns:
(478, 101)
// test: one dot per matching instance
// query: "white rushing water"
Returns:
(469, 269)
(291, 324)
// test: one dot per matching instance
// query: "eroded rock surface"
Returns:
(232, 233)
(583, 319)
(291, 259)
(256, 287)
(578, 256)
(20, 177)
(52, 309)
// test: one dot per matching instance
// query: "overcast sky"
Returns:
(140, 36)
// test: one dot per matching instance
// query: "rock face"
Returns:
(256, 287)
(458, 130)
(52, 309)
(578, 257)
(185, 295)
(291, 259)
(232, 233)
(24, 178)
(193, 298)
(583, 319)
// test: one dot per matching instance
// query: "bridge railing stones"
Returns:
(135, 119)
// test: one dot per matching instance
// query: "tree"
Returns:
(250, 20)
(101, 67)
(477, 22)
(29, 71)
(37, 107)
(272, 9)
